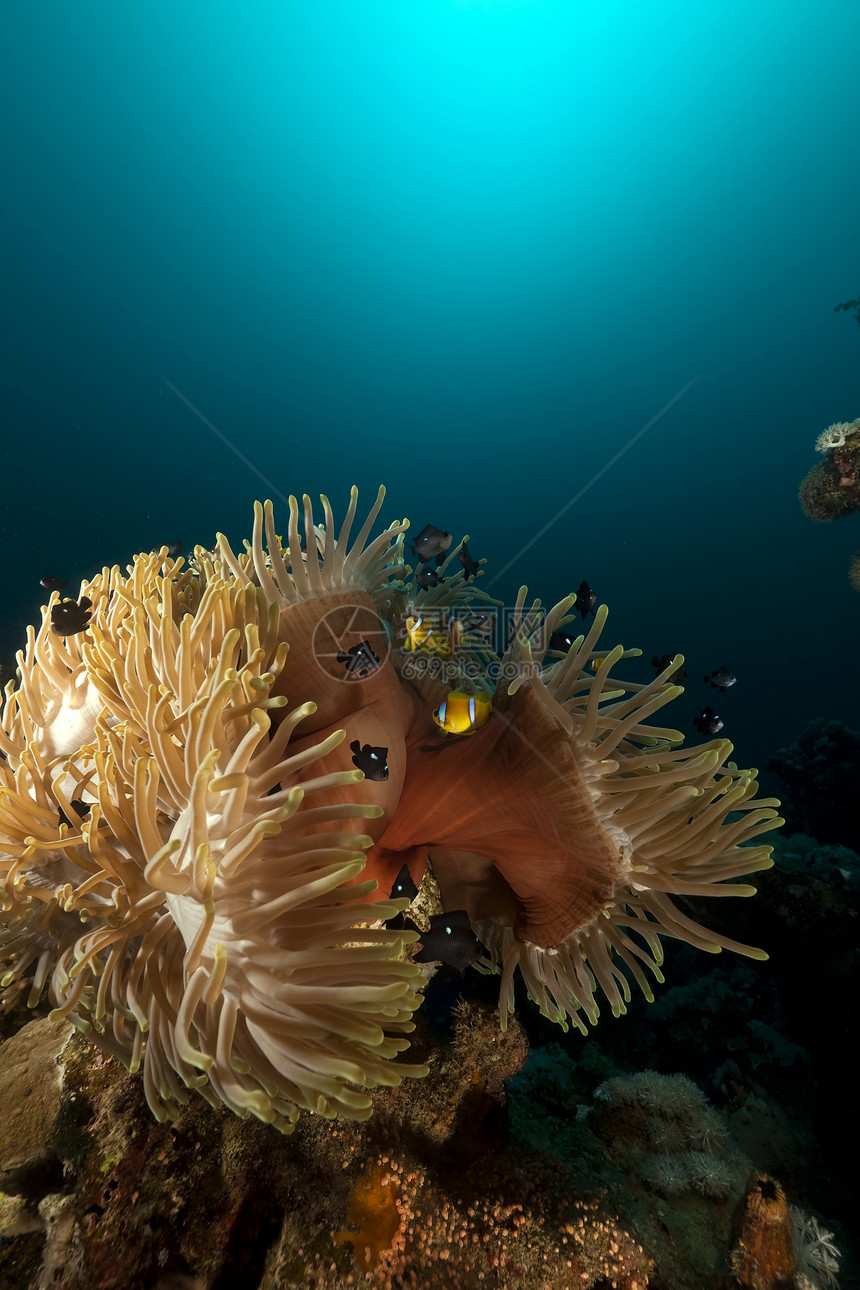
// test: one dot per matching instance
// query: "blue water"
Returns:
(470, 249)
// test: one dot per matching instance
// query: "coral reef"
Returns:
(820, 772)
(428, 1193)
(492, 1171)
(295, 987)
(835, 435)
(657, 1145)
(831, 490)
(824, 497)
(670, 1135)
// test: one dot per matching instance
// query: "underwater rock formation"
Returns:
(820, 771)
(442, 1188)
(426, 1194)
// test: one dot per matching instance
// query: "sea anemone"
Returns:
(191, 860)
(176, 864)
(566, 823)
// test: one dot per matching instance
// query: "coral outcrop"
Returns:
(831, 489)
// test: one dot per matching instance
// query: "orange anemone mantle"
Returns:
(504, 814)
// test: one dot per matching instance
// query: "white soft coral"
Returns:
(835, 435)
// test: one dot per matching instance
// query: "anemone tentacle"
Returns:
(189, 811)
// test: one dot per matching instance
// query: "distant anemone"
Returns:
(191, 860)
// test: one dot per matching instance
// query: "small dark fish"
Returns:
(721, 680)
(361, 659)
(53, 584)
(373, 761)
(661, 661)
(707, 722)
(427, 577)
(480, 627)
(450, 940)
(173, 549)
(69, 617)
(431, 544)
(471, 566)
(404, 885)
(561, 640)
(586, 599)
(81, 809)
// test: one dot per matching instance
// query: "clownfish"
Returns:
(421, 635)
(462, 713)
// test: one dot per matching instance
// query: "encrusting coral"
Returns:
(190, 855)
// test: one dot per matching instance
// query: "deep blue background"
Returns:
(467, 249)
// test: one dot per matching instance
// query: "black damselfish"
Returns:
(561, 640)
(373, 761)
(360, 659)
(427, 577)
(721, 680)
(404, 885)
(431, 544)
(661, 661)
(707, 722)
(586, 599)
(450, 940)
(70, 617)
(471, 566)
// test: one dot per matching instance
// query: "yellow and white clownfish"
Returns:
(462, 713)
(432, 639)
